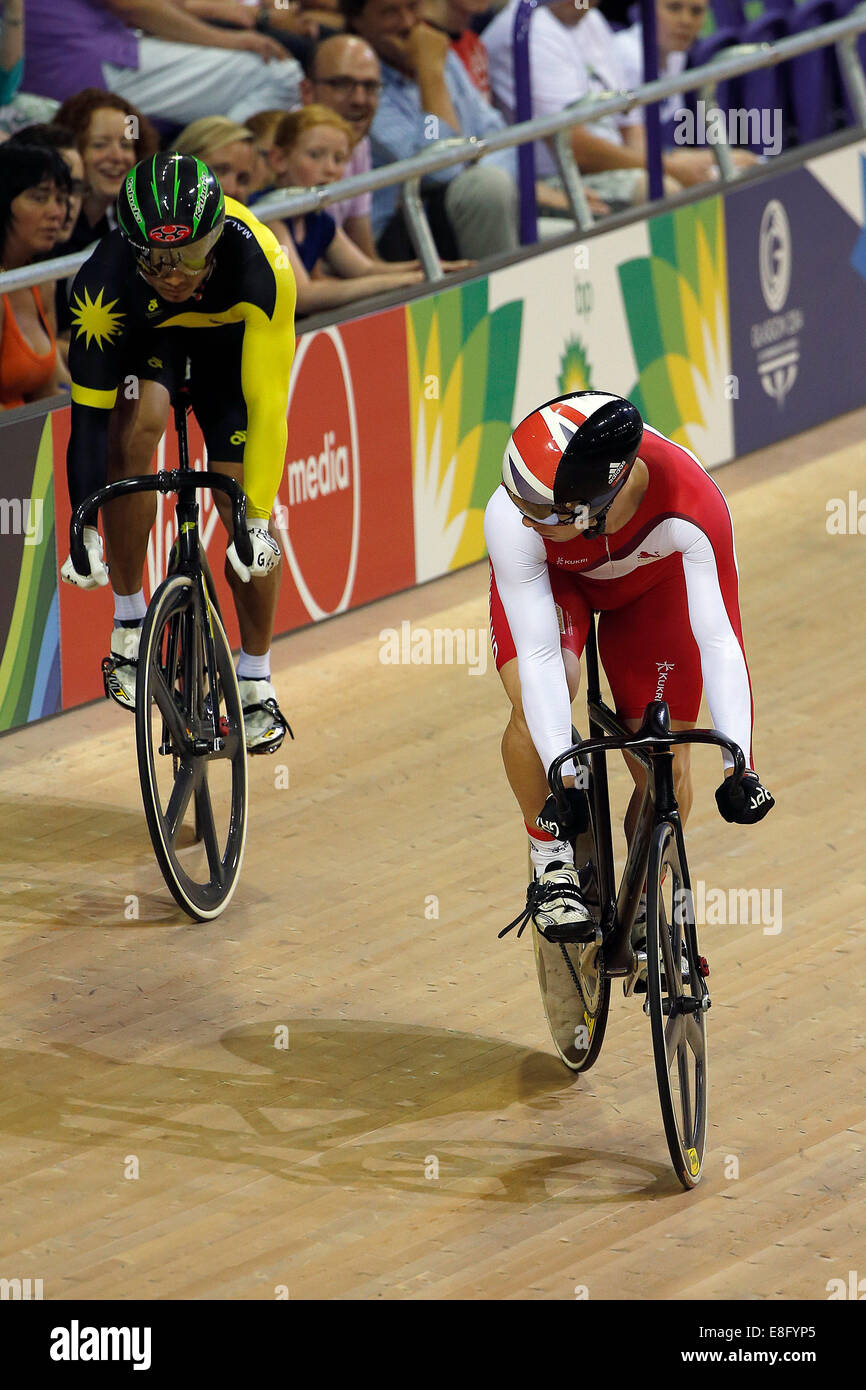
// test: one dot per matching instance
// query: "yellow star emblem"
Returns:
(95, 319)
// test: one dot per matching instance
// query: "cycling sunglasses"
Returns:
(557, 516)
(158, 264)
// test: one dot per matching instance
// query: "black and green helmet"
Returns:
(168, 205)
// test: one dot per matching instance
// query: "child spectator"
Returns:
(312, 147)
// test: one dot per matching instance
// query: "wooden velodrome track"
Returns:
(418, 1044)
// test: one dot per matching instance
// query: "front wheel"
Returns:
(193, 779)
(677, 1000)
(574, 988)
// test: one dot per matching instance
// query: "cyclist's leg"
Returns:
(218, 402)
(255, 602)
(523, 767)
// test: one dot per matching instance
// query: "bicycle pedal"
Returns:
(270, 747)
(588, 935)
(107, 673)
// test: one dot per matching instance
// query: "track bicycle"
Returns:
(575, 977)
(189, 728)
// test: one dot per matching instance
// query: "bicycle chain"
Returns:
(576, 978)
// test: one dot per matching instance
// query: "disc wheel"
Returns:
(676, 1005)
(194, 786)
(574, 989)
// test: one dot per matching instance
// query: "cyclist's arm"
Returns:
(710, 572)
(96, 345)
(266, 361)
(519, 563)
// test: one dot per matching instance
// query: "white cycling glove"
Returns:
(266, 552)
(98, 575)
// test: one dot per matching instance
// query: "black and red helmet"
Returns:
(574, 450)
(171, 211)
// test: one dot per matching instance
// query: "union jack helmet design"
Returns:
(578, 448)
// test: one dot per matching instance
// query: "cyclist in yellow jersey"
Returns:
(188, 277)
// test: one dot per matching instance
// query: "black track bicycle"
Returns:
(189, 728)
(575, 977)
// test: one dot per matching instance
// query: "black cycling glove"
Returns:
(574, 822)
(744, 804)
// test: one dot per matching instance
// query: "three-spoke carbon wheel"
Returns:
(574, 988)
(193, 780)
(677, 1000)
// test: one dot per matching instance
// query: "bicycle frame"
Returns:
(651, 745)
(185, 481)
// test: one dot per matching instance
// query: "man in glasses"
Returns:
(188, 277)
(344, 73)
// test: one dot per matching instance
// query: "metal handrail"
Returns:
(447, 154)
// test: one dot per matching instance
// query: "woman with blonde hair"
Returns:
(225, 147)
(311, 148)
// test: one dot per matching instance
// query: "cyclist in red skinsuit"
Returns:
(597, 512)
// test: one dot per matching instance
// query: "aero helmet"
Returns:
(171, 210)
(574, 450)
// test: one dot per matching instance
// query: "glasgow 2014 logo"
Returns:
(777, 348)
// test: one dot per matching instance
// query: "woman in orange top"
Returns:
(34, 200)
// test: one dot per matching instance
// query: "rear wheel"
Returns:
(574, 989)
(677, 1000)
(193, 782)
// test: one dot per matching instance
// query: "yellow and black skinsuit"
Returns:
(237, 331)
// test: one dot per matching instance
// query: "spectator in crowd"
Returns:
(17, 108)
(573, 55)
(678, 24)
(226, 147)
(344, 73)
(111, 136)
(427, 95)
(34, 189)
(11, 48)
(155, 55)
(454, 18)
(312, 147)
(62, 139)
(296, 24)
(263, 126)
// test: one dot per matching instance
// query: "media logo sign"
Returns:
(319, 513)
(775, 339)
